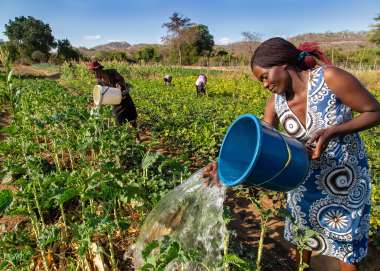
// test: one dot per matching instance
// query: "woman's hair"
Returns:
(278, 51)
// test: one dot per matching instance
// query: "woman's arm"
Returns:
(99, 81)
(353, 94)
(119, 81)
(210, 174)
(270, 116)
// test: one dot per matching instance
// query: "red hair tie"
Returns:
(312, 49)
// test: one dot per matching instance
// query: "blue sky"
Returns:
(92, 22)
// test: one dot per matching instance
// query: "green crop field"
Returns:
(80, 180)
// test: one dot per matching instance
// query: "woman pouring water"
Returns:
(126, 110)
(314, 104)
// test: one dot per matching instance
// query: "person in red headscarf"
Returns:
(314, 101)
(126, 110)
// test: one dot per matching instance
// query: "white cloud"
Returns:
(92, 37)
(224, 41)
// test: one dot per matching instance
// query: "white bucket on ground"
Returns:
(106, 95)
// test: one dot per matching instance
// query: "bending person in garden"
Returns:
(126, 110)
(168, 79)
(200, 84)
(314, 104)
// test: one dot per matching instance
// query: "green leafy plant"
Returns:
(158, 255)
(6, 199)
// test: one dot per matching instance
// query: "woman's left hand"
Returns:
(210, 175)
(318, 142)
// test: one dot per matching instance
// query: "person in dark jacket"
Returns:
(126, 110)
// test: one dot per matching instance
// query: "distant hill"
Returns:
(113, 46)
(135, 47)
(332, 37)
(343, 40)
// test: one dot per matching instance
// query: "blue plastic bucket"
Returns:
(255, 154)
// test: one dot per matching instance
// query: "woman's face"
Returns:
(276, 79)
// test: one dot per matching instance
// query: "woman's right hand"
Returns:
(210, 175)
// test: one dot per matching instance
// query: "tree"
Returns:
(147, 54)
(221, 57)
(176, 23)
(38, 56)
(30, 35)
(189, 40)
(65, 51)
(112, 56)
(205, 41)
(375, 32)
(221, 52)
(194, 41)
(249, 36)
(174, 26)
(251, 39)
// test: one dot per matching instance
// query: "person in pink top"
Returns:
(168, 79)
(200, 84)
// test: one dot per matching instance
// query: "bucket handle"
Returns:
(287, 163)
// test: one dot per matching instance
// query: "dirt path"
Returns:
(277, 253)
(31, 71)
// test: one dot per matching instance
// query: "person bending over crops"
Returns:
(200, 84)
(168, 79)
(126, 110)
(314, 104)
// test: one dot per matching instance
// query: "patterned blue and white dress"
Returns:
(334, 200)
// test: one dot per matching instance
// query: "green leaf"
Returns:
(4, 266)
(10, 76)
(6, 198)
(48, 236)
(67, 195)
(149, 248)
(171, 253)
(149, 159)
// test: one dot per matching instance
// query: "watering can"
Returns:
(255, 154)
(106, 95)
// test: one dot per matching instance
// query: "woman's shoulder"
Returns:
(335, 76)
(326, 74)
(330, 71)
(114, 74)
